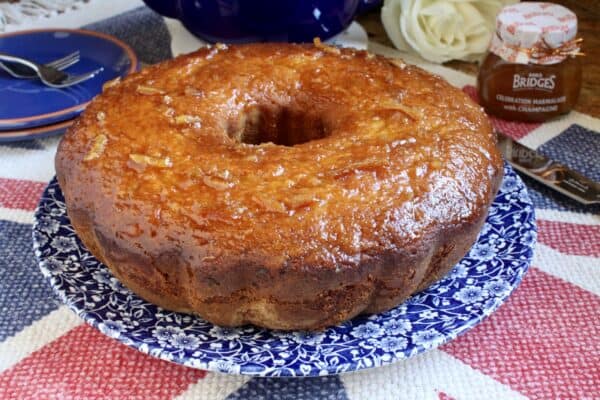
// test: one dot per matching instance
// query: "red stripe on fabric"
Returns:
(575, 239)
(543, 342)
(444, 396)
(85, 364)
(21, 194)
(516, 130)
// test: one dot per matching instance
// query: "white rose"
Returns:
(442, 30)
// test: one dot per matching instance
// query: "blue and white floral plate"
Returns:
(476, 287)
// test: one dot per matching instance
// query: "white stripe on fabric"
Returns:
(567, 217)
(50, 142)
(423, 377)
(578, 270)
(213, 386)
(19, 216)
(33, 165)
(37, 335)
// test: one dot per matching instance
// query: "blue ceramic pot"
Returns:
(238, 21)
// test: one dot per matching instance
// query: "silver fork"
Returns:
(51, 76)
(21, 71)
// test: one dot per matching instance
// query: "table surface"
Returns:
(542, 344)
(588, 14)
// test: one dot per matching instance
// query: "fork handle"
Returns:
(8, 58)
(11, 58)
(16, 69)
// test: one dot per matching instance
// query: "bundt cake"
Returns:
(286, 186)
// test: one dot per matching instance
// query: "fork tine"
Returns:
(75, 79)
(61, 60)
(25, 69)
(67, 64)
(65, 61)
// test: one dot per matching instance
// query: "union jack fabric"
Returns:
(543, 343)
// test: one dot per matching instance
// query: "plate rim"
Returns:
(35, 133)
(330, 369)
(6, 122)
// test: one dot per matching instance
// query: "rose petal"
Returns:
(390, 18)
(416, 37)
(441, 30)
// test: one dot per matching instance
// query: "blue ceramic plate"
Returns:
(473, 290)
(27, 103)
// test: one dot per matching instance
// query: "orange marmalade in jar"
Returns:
(532, 72)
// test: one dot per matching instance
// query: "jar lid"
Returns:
(539, 33)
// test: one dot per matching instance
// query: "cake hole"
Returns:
(281, 125)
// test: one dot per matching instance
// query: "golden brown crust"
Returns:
(379, 181)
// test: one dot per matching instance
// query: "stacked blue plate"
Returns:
(29, 109)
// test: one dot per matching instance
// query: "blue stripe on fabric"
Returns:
(578, 148)
(143, 30)
(23, 144)
(326, 388)
(25, 296)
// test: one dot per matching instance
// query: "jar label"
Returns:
(530, 105)
(534, 81)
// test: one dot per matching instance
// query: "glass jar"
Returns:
(532, 72)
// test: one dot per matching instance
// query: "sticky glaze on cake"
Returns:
(287, 186)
